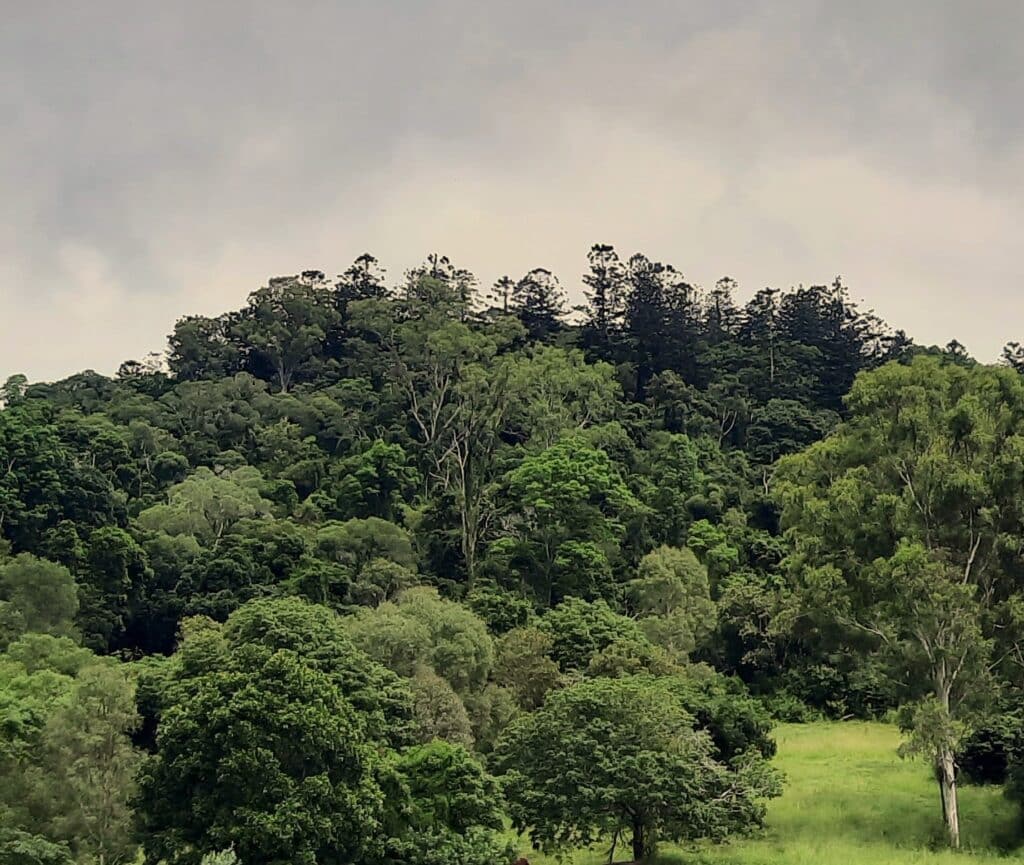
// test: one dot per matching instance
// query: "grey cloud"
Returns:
(161, 160)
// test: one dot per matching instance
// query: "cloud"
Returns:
(168, 161)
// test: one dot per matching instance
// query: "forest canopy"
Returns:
(365, 572)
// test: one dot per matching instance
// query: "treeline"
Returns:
(351, 563)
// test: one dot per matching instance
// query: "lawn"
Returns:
(850, 800)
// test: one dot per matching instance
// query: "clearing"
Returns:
(850, 800)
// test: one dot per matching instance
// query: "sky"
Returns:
(158, 160)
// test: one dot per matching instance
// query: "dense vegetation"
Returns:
(364, 573)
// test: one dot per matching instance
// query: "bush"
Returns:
(994, 748)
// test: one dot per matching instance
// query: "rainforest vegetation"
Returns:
(419, 571)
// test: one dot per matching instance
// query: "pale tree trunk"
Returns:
(947, 785)
(945, 760)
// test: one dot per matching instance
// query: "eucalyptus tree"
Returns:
(907, 524)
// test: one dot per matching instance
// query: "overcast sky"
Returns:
(164, 159)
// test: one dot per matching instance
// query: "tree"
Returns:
(47, 475)
(672, 598)
(443, 807)
(358, 542)
(376, 482)
(113, 578)
(500, 296)
(1013, 356)
(224, 857)
(525, 666)
(448, 375)
(13, 390)
(87, 747)
(200, 347)
(538, 300)
(264, 755)
(606, 289)
(285, 326)
(569, 504)
(905, 524)
(438, 711)
(621, 756)
(24, 848)
(846, 340)
(781, 427)
(364, 280)
(42, 595)
(421, 627)
(581, 629)
(206, 505)
(554, 392)
(656, 307)
(67, 766)
(317, 635)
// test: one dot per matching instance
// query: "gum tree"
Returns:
(906, 525)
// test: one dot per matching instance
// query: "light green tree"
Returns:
(906, 527)
(671, 596)
(569, 509)
(37, 596)
(207, 505)
(90, 766)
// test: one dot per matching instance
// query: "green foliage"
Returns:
(224, 857)
(580, 629)
(206, 505)
(336, 446)
(67, 765)
(905, 522)
(90, 766)
(24, 848)
(358, 542)
(672, 597)
(36, 595)
(438, 710)
(449, 788)
(501, 610)
(613, 756)
(570, 508)
(376, 482)
(524, 665)
(318, 637)
(422, 627)
(443, 807)
(264, 755)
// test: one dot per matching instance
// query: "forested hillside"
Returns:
(370, 570)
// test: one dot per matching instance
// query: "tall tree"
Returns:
(364, 280)
(539, 302)
(284, 328)
(906, 526)
(88, 748)
(568, 510)
(646, 319)
(606, 289)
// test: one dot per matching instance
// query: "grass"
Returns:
(850, 800)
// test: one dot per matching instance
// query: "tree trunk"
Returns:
(947, 783)
(615, 843)
(642, 847)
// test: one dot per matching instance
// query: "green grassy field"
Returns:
(850, 800)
